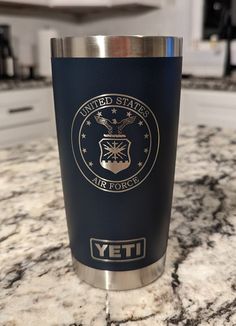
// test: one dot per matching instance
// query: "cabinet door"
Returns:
(104, 3)
(29, 2)
(87, 3)
(154, 3)
(26, 114)
(213, 108)
(25, 133)
(21, 107)
(79, 3)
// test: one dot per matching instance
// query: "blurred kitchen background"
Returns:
(209, 70)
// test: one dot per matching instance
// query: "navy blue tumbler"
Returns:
(117, 110)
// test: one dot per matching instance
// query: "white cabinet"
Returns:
(86, 3)
(26, 114)
(154, 3)
(103, 3)
(28, 2)
(79, 3)
(213, 108)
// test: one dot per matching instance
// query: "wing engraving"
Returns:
(105, 122)
(123, 123)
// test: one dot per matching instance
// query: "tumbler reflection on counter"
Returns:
(117, 110)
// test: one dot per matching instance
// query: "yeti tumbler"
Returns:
(117, 110)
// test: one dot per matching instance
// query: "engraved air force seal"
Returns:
(115, 140)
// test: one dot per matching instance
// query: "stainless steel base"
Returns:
(125, 280)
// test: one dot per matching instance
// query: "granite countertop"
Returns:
(216, 84)
(11, 85)
(227, 84)
(37, 282)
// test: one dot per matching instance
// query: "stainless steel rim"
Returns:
(125, 280)
(101, 46)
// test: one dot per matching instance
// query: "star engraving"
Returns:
(90, 163)
(99, 114)
(83, 136)
(140, 164)
(140, 123)
(84, 150)
(129, 114)
(146, 150)
(88, 123)
(146, 136)
(113, 111)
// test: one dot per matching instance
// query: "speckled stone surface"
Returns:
(37, 282)
(17, 84)
(226, 84)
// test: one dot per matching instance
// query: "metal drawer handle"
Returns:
(18, 110)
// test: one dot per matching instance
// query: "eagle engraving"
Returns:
(114, 127)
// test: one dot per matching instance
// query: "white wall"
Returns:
(173, 19)
(24, 33)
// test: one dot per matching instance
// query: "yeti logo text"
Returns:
(118, 250)
(115, 141)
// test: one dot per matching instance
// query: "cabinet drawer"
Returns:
(23, 107)
(21, 134)
(213, 108)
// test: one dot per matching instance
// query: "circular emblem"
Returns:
(115, 141)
